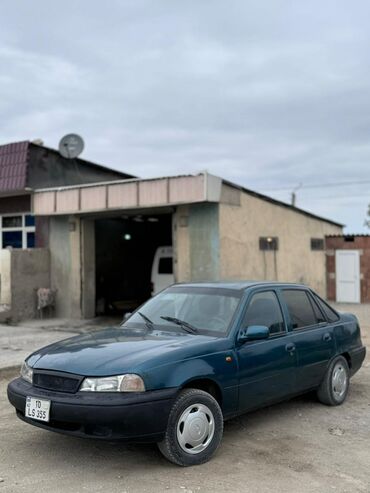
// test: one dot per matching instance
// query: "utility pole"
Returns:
(294, 195)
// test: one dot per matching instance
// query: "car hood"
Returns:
(113, 351)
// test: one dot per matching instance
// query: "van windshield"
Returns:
(209, 310)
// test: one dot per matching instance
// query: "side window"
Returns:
(300, 308)
(165, 265)
(264, 309)
(318, 314)
(329, 312)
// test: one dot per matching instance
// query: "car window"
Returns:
(329, 312)
(300, 308)
(320, 318)
(264, 309)
(210, 310)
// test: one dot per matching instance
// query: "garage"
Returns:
(125, 250)
(103, 238)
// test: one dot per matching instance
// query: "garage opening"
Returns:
(125, 249)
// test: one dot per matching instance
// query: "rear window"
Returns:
(318, 313)
(165, 265)
(329, 312)
(300, 308)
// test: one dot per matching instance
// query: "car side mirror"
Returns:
(253, 333)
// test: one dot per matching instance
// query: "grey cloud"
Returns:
(267, 94)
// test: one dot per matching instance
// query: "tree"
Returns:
(367, 221)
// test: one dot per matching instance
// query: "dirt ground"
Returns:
(297, 446)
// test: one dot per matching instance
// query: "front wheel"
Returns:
(194, 429)
(334, 388)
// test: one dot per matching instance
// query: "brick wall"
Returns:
(361, 243)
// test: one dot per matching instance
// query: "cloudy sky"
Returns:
(269, 94)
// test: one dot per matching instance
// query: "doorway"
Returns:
(125, 247)
(348, 276)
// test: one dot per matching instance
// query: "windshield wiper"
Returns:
(184, 325)
(147, 320)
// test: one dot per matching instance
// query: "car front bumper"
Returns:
(136, 417)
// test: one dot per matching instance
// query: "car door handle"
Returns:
(326, 337)
(290, 347)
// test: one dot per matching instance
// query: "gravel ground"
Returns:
(19, 341)
(298, 446)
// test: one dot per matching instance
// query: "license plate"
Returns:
(37, 409)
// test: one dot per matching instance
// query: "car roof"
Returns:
(238, 285)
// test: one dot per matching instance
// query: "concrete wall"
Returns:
(29, 271)
(88, 268)
(196, 242)
(242, 225)
(5, 280)
(204, 242)
(181, 243)
(65, 265)
(42, 232)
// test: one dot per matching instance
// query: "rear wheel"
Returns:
(194, 429)
(334, 388)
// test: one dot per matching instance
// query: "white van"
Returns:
(162, 269)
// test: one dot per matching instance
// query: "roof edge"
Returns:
(113, 182)
(85, 161)
(349, 235)
(280, 203)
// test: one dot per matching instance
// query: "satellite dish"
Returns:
(71, 146)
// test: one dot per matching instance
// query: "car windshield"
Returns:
(207, 310)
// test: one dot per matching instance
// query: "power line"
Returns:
(321, 185)
(327, 197)
(354, 196)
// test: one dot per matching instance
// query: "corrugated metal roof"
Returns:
(124, 194)
(13, 166)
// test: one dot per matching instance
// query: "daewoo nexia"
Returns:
(190, 358)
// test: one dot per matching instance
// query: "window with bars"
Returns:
(17, 231)
(317, 244)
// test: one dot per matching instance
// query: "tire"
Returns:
(333, 389)
(192, 440)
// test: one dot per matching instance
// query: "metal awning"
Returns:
(127, 194)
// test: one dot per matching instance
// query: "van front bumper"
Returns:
(132, 417)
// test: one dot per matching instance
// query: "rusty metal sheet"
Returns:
(186, 189)
(67, 201)
(153, 192)
(93, 198)
(123, 195)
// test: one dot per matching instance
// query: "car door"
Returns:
(266, 367)
(312, 337)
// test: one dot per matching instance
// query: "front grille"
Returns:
(59, 382)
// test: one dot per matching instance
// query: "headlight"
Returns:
(26, 372)
(118, 383)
